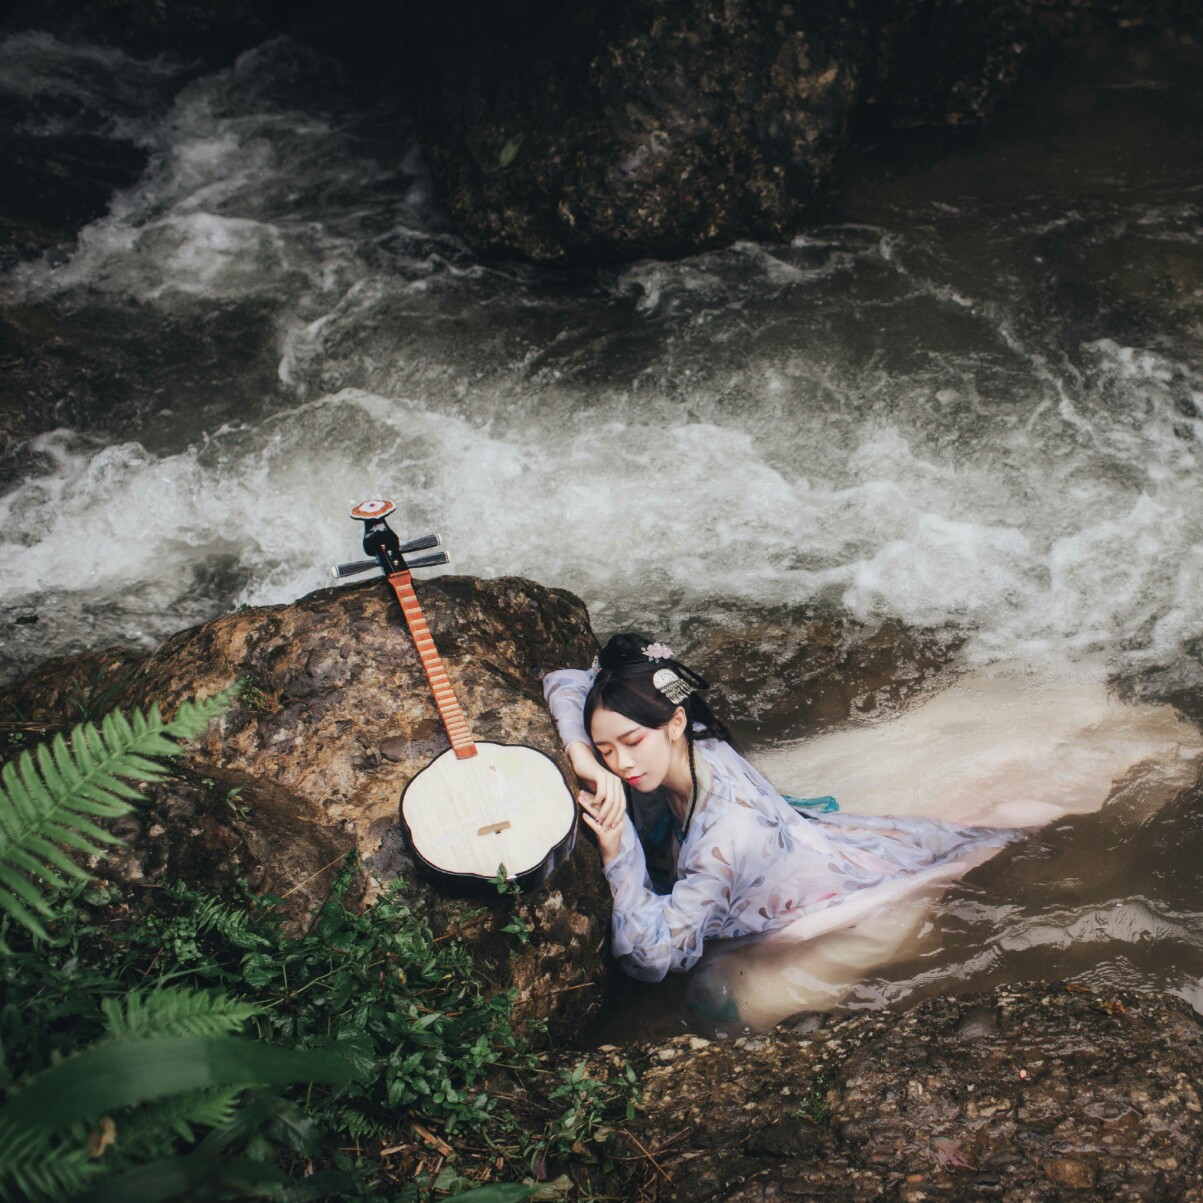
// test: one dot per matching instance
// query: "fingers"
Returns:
(609, 841)
(610, 794)
(600, 814)
(613, 802)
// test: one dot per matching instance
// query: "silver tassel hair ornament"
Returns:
(669, 684)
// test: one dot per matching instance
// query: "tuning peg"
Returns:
(421, 544)
(356, 566)
(439, 557)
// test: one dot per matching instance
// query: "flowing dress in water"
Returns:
(750, 864)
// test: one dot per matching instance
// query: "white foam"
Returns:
(647, 518)
(775, 441)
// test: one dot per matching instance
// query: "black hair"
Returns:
(624, 685)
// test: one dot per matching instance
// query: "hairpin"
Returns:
(669, 684)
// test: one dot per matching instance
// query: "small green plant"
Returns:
(155, 1019)
(237, 807)
(813, 1106)
(591, 1107)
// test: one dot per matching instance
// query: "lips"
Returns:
(635, 780)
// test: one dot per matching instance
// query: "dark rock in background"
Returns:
(583, 135)
(604, 132)
(785, 673)
(681, 127)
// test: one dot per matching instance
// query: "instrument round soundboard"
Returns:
(506, 808)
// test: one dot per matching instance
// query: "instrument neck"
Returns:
(454, 722)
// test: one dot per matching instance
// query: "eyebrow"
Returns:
(620, 735)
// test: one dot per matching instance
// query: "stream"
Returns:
(969, 400)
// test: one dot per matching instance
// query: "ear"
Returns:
(676, 725)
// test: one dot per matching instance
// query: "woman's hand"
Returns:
(602, 785)
(609, 837)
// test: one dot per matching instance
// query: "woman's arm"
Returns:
(654, 934)
(565, 691)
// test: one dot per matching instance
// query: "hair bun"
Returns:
(623, 649)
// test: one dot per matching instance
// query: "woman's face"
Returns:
(641, 756)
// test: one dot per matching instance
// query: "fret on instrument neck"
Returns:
(456, 725)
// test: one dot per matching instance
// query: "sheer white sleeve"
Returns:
(654, 934)
(565, 691)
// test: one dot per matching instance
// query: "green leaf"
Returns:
(510, 150)
(175, 1011)
(128, 1072)
(31, 1168)
(498, 1192)
(190, 1176)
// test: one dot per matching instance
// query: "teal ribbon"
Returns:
(824, 805)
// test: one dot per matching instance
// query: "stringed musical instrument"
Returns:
(478, 808)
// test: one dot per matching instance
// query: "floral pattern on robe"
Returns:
(749, 864)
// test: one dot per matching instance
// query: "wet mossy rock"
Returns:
(335, 720)
(1035, 1093)
(586, 133)
(596, 132)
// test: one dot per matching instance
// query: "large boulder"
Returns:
(335, 717)
(569, 133)
(590, 133)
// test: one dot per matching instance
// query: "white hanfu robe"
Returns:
(750, 863)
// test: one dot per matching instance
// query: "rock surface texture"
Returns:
(655, 130)
(1035, 1092)
(587, 133)
(335, 718)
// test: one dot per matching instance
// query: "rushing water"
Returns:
(975, 401)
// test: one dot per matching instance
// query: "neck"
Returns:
(677, 782)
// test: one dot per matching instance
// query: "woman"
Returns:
(709, 850)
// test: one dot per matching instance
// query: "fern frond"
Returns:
(362, 1127)
(35, 1168)
(232, 923)
(152, 1130)
(49, 799)
(175, 1011)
